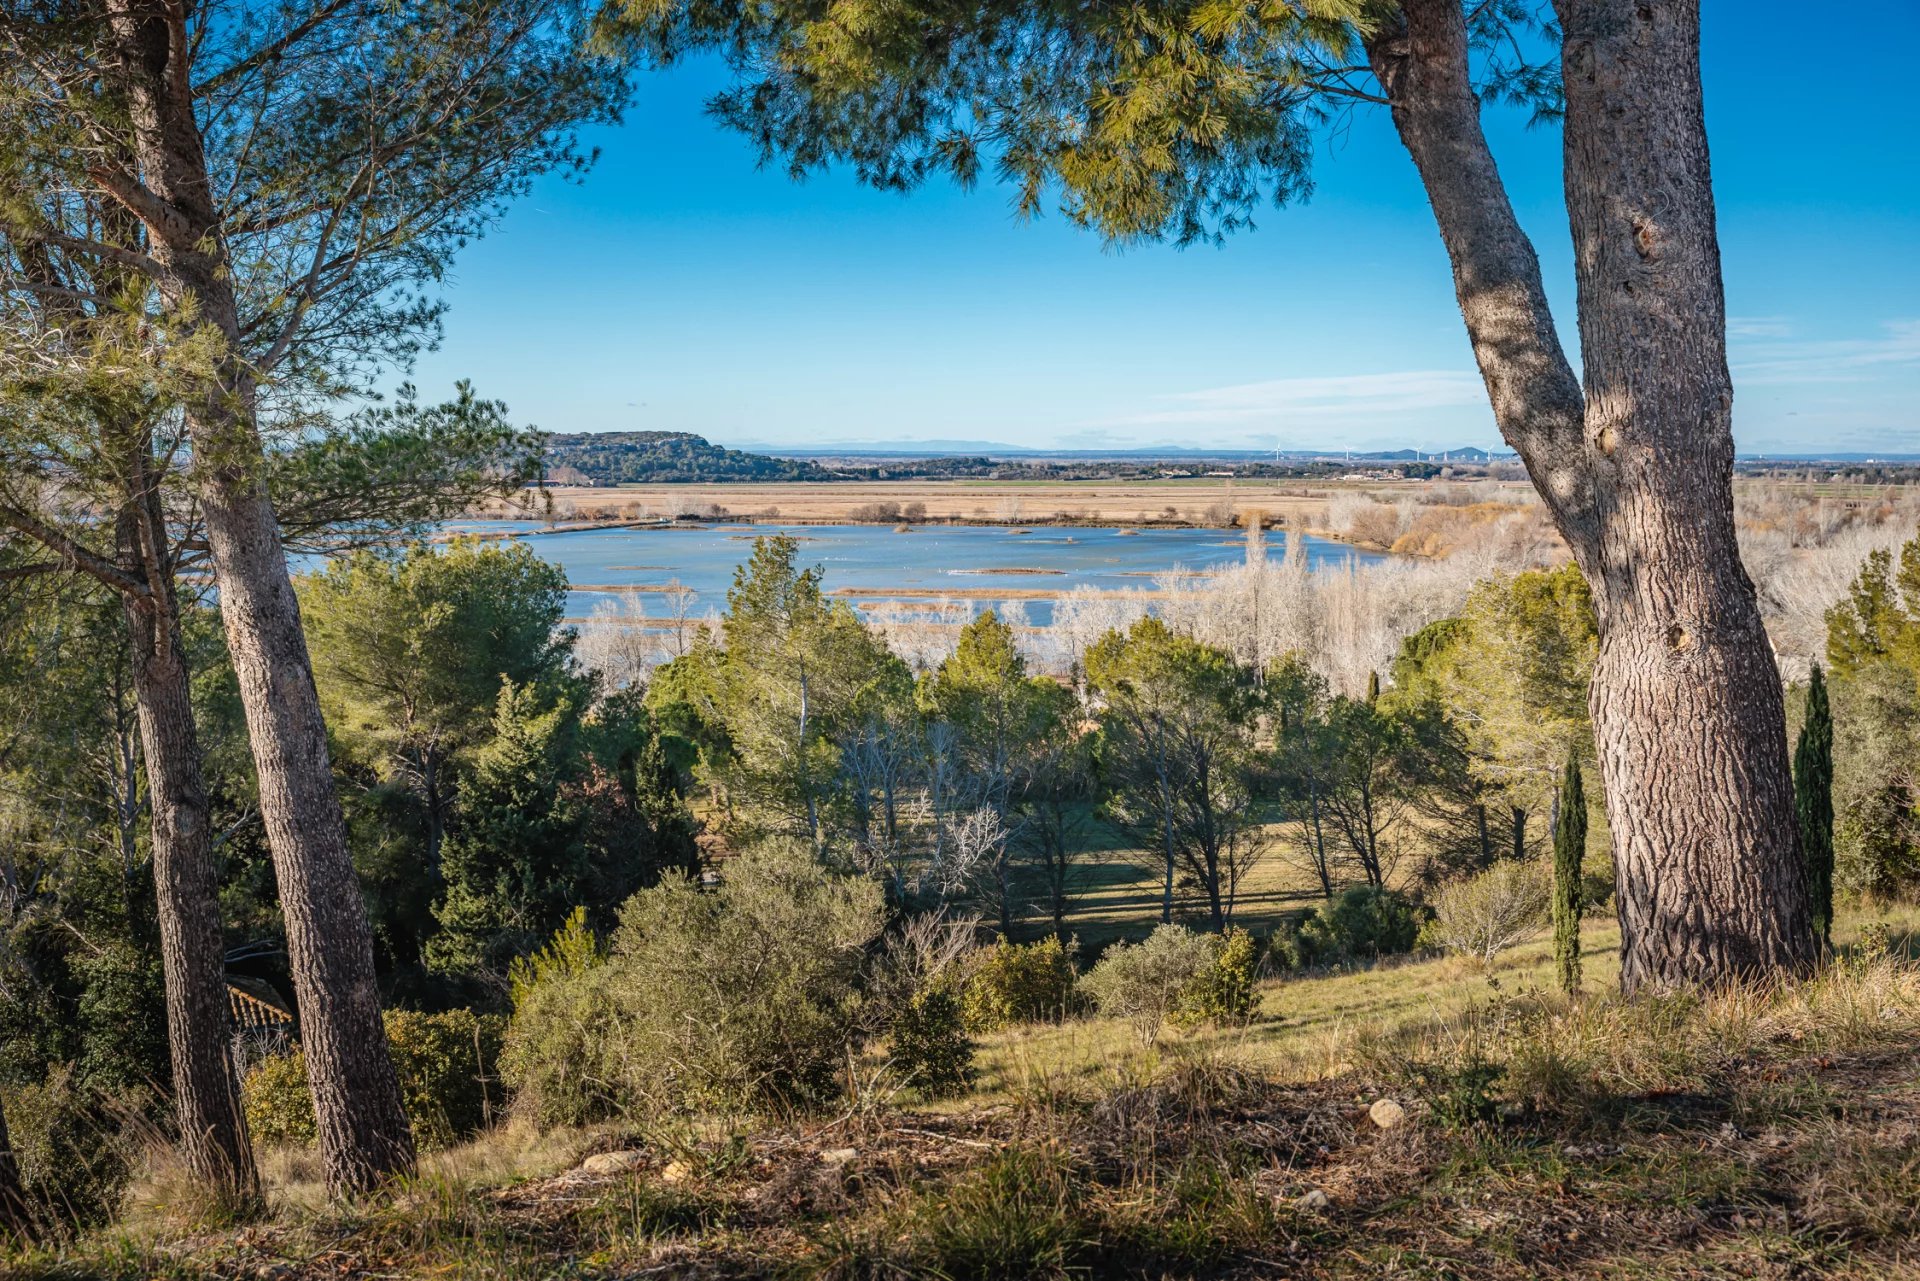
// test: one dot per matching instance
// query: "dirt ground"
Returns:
(1682, 1187)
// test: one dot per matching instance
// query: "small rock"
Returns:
(1386, 1113)
(1591, 1150)
(1510, 1112)
(614, 1162)
(676, 1172)
(838, 1156)
(1314, 1201)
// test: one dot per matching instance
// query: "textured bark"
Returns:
(213, 1128)
(1636, 469)
(364, 1136)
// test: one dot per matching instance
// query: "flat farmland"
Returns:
(1192, 500)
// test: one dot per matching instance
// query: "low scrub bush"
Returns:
(737, 998)
(1176, 976)
(1018, 1214)
(448, 1068)
(76, 1151)
(1458, 1095)
(1483, 915)
(1036, 1212)
(278, 1103)
(1223, 990)
(930, 1044)
(1360, 924)
(1012, 983)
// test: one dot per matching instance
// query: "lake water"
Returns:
(874, 562)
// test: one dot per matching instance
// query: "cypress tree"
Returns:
(1569, 848)
(1813, 803)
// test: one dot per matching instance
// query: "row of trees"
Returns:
(978, 781)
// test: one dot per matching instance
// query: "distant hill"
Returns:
(679, 457)
(663, 457)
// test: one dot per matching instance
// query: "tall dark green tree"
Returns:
(514, 863)
(410, 654)
(798, 673)
(1569, 852)
(1813, 803)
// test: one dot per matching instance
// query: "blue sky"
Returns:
(682, 288)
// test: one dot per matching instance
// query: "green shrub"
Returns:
(1360, 924)
(75, 1150)
(1148, 983)
(1459, 1095)
(572, 950)
(447, 1064)
(562, 1013)
(121, 1017)
(930, 1044)
(741, 997)
(1223, 991)
(555, 1044)
(449, 1067)
(278, 1102)
(1013, 983)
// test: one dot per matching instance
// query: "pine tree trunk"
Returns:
(1636, 471)
(364, 1136)
(213, 1128)
(1702, 809)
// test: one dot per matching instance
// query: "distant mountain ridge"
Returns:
(680, 457)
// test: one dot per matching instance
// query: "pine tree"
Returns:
(1813, 803)
(1569, 849)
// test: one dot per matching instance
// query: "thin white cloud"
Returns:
(1336, 398)
(1739, 327)
(1843, 360)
